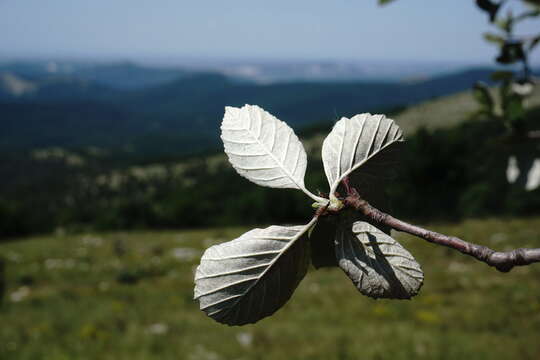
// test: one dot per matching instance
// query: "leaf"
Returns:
(523, 87)
(376, 263)
(384, 2)
(322, 238)
(494, 38)
(506, 24)
(511, 52)
(251, 277)
(368, 141)
(534, 42)
(264, 149)
(513, 108)
(321, 241)
(501, 75)
(490, 7)
(483, 96)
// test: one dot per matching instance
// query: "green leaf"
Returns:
(494, 38)
(483, 96)
(490, 7)
(504, 92)
(384, 2)
(511, 52)
(502, 75)
(506, 24)
(514, 109)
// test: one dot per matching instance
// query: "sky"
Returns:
(407, 30)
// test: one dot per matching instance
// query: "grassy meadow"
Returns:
(128, 295)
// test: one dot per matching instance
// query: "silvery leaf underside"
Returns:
(264, 149)
(251, 277)
(377, 264)
(364, 148)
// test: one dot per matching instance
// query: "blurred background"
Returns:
(113, 179)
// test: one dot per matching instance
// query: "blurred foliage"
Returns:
(514, 86)
(492, 8)
(508, 103)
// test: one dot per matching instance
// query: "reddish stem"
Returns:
(502, 261)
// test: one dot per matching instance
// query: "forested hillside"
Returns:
(62, 188)
(183, 113)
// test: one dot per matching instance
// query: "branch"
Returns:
(502, 261)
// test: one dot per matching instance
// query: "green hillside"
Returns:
(128, 295)
(446, 111)
(185, 113)
(96, 188)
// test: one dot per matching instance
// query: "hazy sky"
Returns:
(281, 29)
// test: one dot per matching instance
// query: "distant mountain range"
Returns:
(120, 75)
(267, 72)
(135, 108)
(128, 75)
